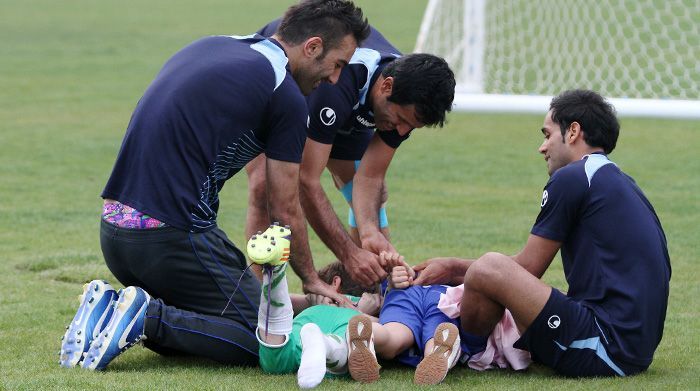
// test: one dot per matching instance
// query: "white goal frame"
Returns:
(467, 61)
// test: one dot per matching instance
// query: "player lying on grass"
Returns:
(411, 329)
(312, 343)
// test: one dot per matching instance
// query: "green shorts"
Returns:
(287, 357)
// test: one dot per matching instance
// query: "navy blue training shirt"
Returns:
(213, 107)
(341, 114)
(613, 250)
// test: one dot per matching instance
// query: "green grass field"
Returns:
(70, 75)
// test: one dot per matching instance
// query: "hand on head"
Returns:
(321, 288)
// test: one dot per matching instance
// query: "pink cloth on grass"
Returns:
(499, 352)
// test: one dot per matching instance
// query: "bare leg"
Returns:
(494, 282)
(391, 339)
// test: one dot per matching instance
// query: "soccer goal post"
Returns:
(515, 55)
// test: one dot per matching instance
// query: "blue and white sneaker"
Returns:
(124, 330)
(92, 317)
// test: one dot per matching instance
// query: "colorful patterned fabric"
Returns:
(124, 216)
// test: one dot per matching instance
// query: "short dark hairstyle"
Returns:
(595, 115)
(331, 20)
(348, 286)
(427, 82)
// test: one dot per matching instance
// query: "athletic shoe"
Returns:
(92, 317)
(434, 367)
(362, 360)
(124, 330)
(270, 247)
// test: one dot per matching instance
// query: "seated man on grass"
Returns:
(613, 249)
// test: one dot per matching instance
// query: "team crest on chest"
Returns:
(545, 197)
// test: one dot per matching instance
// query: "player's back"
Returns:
(212, 97)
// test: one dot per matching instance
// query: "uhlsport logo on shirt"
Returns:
(553, 322)
(545, 197)
(327, 116)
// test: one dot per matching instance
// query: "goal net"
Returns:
(514, 55)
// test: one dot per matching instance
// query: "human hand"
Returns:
(316, 299)
(316, 286)
(440, 271)
(401, 277)
(370, 304)
(376, 243)
(365, 268)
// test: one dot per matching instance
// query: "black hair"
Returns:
(595, 115)
(427, 82)
(331, 20)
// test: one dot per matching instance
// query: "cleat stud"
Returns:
(272, 243)
(252, 245)
(269, 249)
(63, 337)
(276, 223)
(80, 331)
(91, 300)
(254, 237)
(264, 236)
(259, 232)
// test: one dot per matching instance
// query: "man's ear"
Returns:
(387, 86)
(336, 283)
(574, 133)
(313, 47)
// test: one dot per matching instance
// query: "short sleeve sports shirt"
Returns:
(213, 107)
(614, 252)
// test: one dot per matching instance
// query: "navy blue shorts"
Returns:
(416, 308)
(351, 146)
(567, 337)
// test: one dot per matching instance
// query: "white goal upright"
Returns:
(514, 55)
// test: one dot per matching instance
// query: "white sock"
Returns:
(312, 368)
(279, 304)
(336, 354)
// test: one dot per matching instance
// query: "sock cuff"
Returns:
(269, 345)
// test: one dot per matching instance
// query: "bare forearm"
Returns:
(322, 218)
(366, 200)
(300, 257)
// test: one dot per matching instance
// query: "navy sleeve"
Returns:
(561, 199)
(287, 123)
(392, 138)
(270, 29)
(330, 108)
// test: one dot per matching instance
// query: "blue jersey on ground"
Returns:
(614, 252)
(214, 106)
(341, 114)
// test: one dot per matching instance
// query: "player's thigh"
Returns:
(501, 279)
(567, 337)
(342, 171)
(403, 306)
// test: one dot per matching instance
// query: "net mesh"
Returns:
(646, 49)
